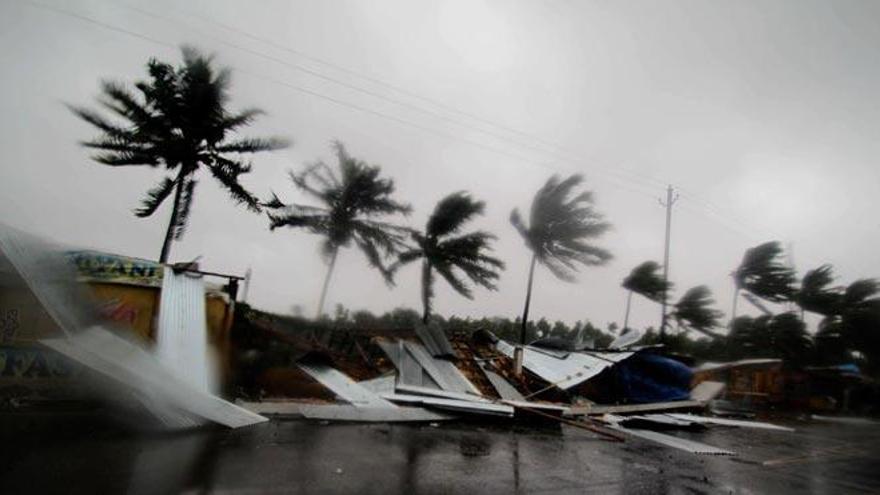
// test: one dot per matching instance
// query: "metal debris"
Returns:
(346, 412)
(564, 373)
(435, 340)
(343, 386)
(726, 422)
(503, 387)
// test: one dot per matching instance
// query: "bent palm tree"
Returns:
(350, 203)
(442, 249)
(763, 274)
(560, 226)
(177, 120)
(816, 295)
(646, 281)
(694, 311)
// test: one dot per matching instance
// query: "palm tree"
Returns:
(442, 249)
(816, 295)
(763, 274)
(646, 281)
(177, 119)
(694, 311)
(350, 202)
(560, 226)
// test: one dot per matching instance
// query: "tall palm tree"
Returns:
(764, 274)
(350, 203)
(442, 248)
(644, 280)
(561, 224)
(694, 311)
(178, 120)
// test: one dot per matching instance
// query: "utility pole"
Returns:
(670, 200)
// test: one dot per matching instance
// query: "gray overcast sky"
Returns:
(764, 113)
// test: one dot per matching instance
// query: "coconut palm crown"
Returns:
(177, 120)
(445, 250)
(349, 205)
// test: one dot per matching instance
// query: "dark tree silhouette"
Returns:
(764, 274)
(782, 336)
(647, 281)
(178, 120)
(350, 202)
(442, 248)
(816, 294)
(561, 224)
(694, 311)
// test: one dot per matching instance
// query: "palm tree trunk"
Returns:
(629, 298)
(169, 232)
(326, 283)
(518, 353)
(426, 291)
(733, 308)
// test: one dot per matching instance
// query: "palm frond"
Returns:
(763, 273)
(226, 171)
(694, 310)
(560, 225)
(645, 280)
(155, 197)
(452, 212)
(815, 293)
(252, 145)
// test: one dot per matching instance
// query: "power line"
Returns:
(616, 181)
(562, 154)
(329, 98)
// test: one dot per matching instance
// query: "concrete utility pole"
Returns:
(670, 200)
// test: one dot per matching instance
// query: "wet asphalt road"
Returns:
(72, 454)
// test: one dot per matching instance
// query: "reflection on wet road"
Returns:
(84, 455)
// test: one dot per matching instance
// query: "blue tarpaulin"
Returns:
(647, 377)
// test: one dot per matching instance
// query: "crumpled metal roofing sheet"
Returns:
(343, 386)
(726, 422)
(447, 376)
(348, 412)
(394, 350)
(502, 386)
(435, 340)
(574, 369)
(477, 407)
(673, 441)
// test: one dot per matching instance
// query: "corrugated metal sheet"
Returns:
(410, 371)
(182, 335)
(379, 385)
(476, 407)
(346, 412)
(447, 376)
(724, 421)
(394, 350)
(343, 386)
(435, 341)
(574, 369)
(674, 442)
(502, 386)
